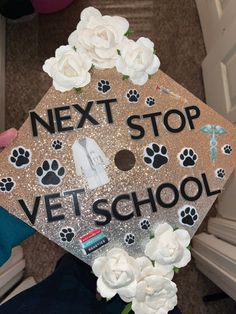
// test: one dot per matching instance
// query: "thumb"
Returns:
(7, 137)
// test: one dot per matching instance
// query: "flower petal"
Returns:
(146, 42)
(164, 269)
(104, 290)
(98, 265)
(161, 228)
(153, 68)
(128, 292)
(139, 80)
(185, 259)
(88, 12)
(183, 237)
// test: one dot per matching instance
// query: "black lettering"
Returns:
(74, 195)
(148, 200)
(199, 189)
(49, 126)
(31, 216)
(135, 127)
(101, 211)
(50, 207)
(60, 118)
(182, 120)
(115, 212)
(153, 120)
(85, 114)
(207, 188)
(167, 186)
(107, 103)
(191, 116)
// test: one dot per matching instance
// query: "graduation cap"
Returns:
(115, 154)
(94, 169)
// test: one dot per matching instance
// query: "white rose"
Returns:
(155, 293)
(169, 248)
(99, 36)
(68, 69)
(147, 268)
(137, 60)
(117, 273)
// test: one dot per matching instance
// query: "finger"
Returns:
(7, 137)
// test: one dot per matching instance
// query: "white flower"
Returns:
(99, 36)
(68, 69)
(137, 60)
(169, 248)
(155, 294)
(117, 273)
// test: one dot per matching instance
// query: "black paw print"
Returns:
(67, 234)
(144, 224)
(150, 101)
(220, 173)
(133, 95)
(20, 157)
(188, 216)
(57, 144)
(155, 155)
(104, 86)
(129, 239)
(187, 157)
(50, 173)
(6, 185)
(227, 149)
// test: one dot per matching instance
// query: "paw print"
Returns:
(6, 185)
(226, 149)
(129, 239)
(57, 145)
(50, 173)
(104, 86)
(220, 173)
(20, 157)
(67, 234)
(188, 215)
(133, 95)
(187, 157)
(150, 101)
(155, 155)
(144, 224)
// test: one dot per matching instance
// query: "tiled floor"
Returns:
(174, 27)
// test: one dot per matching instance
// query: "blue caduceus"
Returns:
(213, 132)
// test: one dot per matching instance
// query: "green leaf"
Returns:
(149, 76)
(92, 68)
(125, 77)
(176, 270)
(127, 308)
(78, 89)
(189, 247)
(74, 48)
(151, 236)
(130, 31)
(118, 51)
(154, 51)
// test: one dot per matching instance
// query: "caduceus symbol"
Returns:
(213, 131)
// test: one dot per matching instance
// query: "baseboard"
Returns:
(220, 277)
(2, 71)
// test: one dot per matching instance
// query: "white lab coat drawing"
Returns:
(90, 162)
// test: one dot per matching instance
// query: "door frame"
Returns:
(2, 71)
